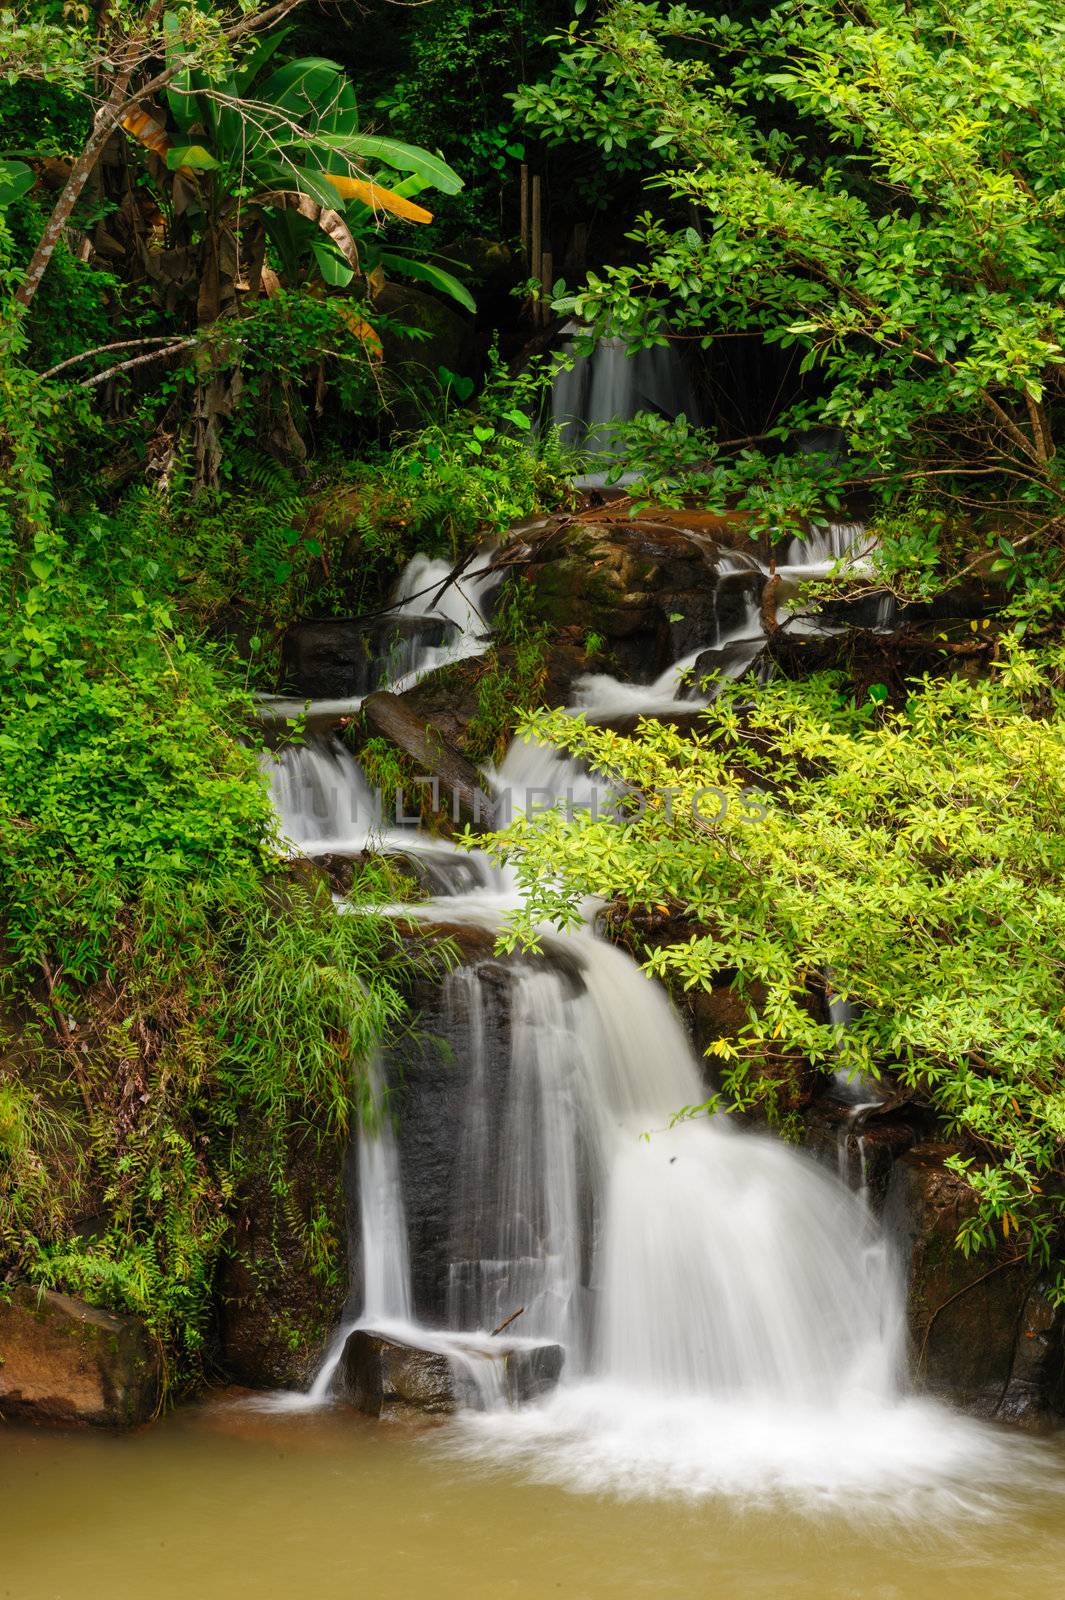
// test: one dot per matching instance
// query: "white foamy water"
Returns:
(321, 797)
(912, 1460)
(462, 605)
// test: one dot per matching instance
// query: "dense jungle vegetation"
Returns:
(273, 319)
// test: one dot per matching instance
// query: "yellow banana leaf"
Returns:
(142, 126)
(378, 198)
(363, 330)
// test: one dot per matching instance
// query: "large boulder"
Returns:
(422, 335)
(983, 1333)
(450, 698)
(65, 1363)
(338, 657)
(651, 591)
(391, 1378)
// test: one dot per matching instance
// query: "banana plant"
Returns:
(271, 150)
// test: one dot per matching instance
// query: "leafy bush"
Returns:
(876, 188)
(173, 1005)
(918, 856)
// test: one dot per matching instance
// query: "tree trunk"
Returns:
(107, 120)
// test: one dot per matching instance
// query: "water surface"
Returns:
(223, 1502)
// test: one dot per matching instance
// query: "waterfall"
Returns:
(421, 594)
(385, 1259)
(732, 1315)
(383, 1221)
(674, 1258)
(517, 1240)
(825, 545)
(321, 797)
(591, 393)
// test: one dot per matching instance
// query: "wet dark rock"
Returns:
(395, 719)
(64, 1363)
(340, 657)
(417, 873)
(740, 658)
(722, 1012)
(446, 338)
(469, 941)
(449, 697)
(391, 1379)
(867, 657)
(275, 1313)
(862, 1146)
(651, 591)
(983, 1334)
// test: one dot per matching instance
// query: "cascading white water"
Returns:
(613, 384)
(828, 543)
(716, 1264)
(386, 1295)
(731, 1313)
(424, 591)
(517, 1231)
(321, 797)
(385, 1258)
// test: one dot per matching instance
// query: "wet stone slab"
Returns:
(388, 1377)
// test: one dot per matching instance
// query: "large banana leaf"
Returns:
(191, 158)
(307, 89)
(403, 157)
(279, 173)
(435, 277)
(378, 198)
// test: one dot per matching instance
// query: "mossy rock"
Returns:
(277, 1307)
(67, 1364)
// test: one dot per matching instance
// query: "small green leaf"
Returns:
(16, 178)
(193, 156)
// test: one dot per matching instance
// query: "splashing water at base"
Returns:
(912, 1459)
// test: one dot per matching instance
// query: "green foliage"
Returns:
(173, 1005)
(458, 63)
(443, 489)
(515, 672)
(877, 189)
(917, 855)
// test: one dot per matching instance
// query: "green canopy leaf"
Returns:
(435, 277)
